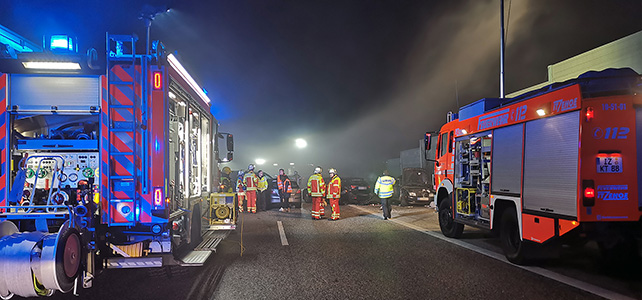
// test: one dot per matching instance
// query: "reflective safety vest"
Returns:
(316, 186)
(383, 187)
(263, 184)
(287, 186)
(279, 182)
(240, 187)
(334, 188)
(251, 181)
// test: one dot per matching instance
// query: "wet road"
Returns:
(360, 256)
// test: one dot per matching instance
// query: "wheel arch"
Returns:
(500, 205)
(445, 188)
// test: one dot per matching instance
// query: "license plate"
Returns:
(609, 164)
(361, 188)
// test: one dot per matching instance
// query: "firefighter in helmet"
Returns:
(251, 183)
(316, 190)
(240, 190)
(334, 193)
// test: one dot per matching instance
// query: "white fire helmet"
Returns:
(317, 170)
(250, 167)
(332, 171)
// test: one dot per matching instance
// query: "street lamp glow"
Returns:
(275, 164)
(259, 161)
(301, 143)
(291, 164)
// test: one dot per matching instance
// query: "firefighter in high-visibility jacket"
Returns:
(384, 189)
(251, 183)
(316, 190)
(334, 193)
(240, 190)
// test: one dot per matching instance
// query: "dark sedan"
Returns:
(356, 191)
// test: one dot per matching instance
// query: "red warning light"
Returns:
(589, 192)
(158, 80)
(589, 114)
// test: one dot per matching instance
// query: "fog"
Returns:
(360, 81)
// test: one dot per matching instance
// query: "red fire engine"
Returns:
(557, 163)
(104, 168)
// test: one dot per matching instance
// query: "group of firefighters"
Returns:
(253, 188)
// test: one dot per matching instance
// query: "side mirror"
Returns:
(230, 143)
(427, 140)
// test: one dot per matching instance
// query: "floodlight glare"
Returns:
(301, 143)
(51, 65)
(259, 161)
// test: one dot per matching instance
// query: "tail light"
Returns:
(588, 193)
(589, 114)
(353, 186)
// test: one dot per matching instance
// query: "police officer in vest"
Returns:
(384, 189)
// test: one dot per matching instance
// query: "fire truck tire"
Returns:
(447, 224)
(515, 249)
(195, 226)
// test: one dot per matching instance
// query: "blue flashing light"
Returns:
(205, 91)
(62, 43)
(157, 145)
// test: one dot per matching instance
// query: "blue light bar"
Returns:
(61, 43)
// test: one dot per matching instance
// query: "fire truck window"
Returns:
(450, 143)
(443, 142)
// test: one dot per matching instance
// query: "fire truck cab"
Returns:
(560, 162)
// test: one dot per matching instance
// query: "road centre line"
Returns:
(537, 270)
(284, 240)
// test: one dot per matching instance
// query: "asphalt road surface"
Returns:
(290, 256)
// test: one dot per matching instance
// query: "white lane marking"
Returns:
(537, 270)
(284, 240)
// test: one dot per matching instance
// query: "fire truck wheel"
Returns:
(447, 224)
(514, 248)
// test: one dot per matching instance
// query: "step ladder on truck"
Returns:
(106, 169)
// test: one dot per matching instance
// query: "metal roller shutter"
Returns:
(506, 162)
(550, 164)
(29, 92)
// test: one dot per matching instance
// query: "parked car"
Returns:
(415, 187)
(275, 201)
(355, 190)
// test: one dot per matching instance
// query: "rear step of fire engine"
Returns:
(202, 252)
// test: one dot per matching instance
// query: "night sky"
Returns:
(360, 80)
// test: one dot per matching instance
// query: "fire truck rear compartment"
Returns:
(551, 165)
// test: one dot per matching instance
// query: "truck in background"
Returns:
(555, 164)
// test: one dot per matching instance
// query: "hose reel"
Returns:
(38, 263)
